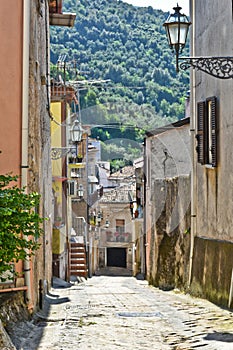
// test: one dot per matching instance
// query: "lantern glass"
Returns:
(80, 191)
(177, 26)
(107, 223)
(76, 131)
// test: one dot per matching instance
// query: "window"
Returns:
(76, 172)
(207, 132)
(120, 226)
(72, 188)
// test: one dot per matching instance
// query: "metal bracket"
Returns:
(218, 67)
(59, 152)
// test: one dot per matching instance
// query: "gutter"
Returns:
(194, 163)
(24, 145)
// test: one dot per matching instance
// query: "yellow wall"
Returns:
(59, 240)
(56, 141)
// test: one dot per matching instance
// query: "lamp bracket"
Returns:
(59, 152)
(218, 67)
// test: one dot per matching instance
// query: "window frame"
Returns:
(207, 132)
(120, 226)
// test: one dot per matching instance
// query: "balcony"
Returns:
(57, 17)
(112, 236)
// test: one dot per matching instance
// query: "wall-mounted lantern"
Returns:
(177, 26)
(99, 218)
(107, 223)
(80, 191)
(76, 131)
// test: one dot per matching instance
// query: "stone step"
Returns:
(72, 272)
(77, 251)
(79, 273)
(78, 263)
(77, 245)
(77, 255)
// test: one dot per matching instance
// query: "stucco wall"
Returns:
(214, 190)
(213, 187)
(11, 19)
(170, 153)
(24, 116)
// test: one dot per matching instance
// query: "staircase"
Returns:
(78, 263)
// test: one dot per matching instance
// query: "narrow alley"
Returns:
(107, 312)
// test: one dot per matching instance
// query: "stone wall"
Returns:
(39, 160)
(13, 312)
(170, 233)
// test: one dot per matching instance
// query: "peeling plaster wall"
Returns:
(170, 235)
(167, 209)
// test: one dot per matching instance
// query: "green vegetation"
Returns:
(124, 69)
(19, 224)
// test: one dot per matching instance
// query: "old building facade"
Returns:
(25, 118)
(212, 114)
(25, 143)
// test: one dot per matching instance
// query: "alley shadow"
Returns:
(55, 300)
(220, 336)
(24, 330)
(58, 283)
(52, 299)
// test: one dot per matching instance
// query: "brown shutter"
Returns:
(201, 143)
(214, 131)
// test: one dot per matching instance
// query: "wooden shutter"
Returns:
(201, 137)
(213, 130)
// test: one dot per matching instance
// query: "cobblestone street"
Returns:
(107, 312)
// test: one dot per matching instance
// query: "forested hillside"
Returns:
(122, 51)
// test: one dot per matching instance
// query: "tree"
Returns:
(19, 224)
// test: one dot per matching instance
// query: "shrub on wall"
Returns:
(19, 223)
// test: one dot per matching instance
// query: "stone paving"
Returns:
(107, 312)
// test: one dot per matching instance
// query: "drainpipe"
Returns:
(24, 145)
(145, 212)
(194, 163)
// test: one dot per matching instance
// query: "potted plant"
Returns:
(80, 158)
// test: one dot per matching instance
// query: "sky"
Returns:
(165, 5)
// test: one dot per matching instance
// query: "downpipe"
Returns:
(24, 145)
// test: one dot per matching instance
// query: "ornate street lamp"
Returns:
(107, 223)
(80, 191)
(99, 218)
(76, 132)
(177, 26)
